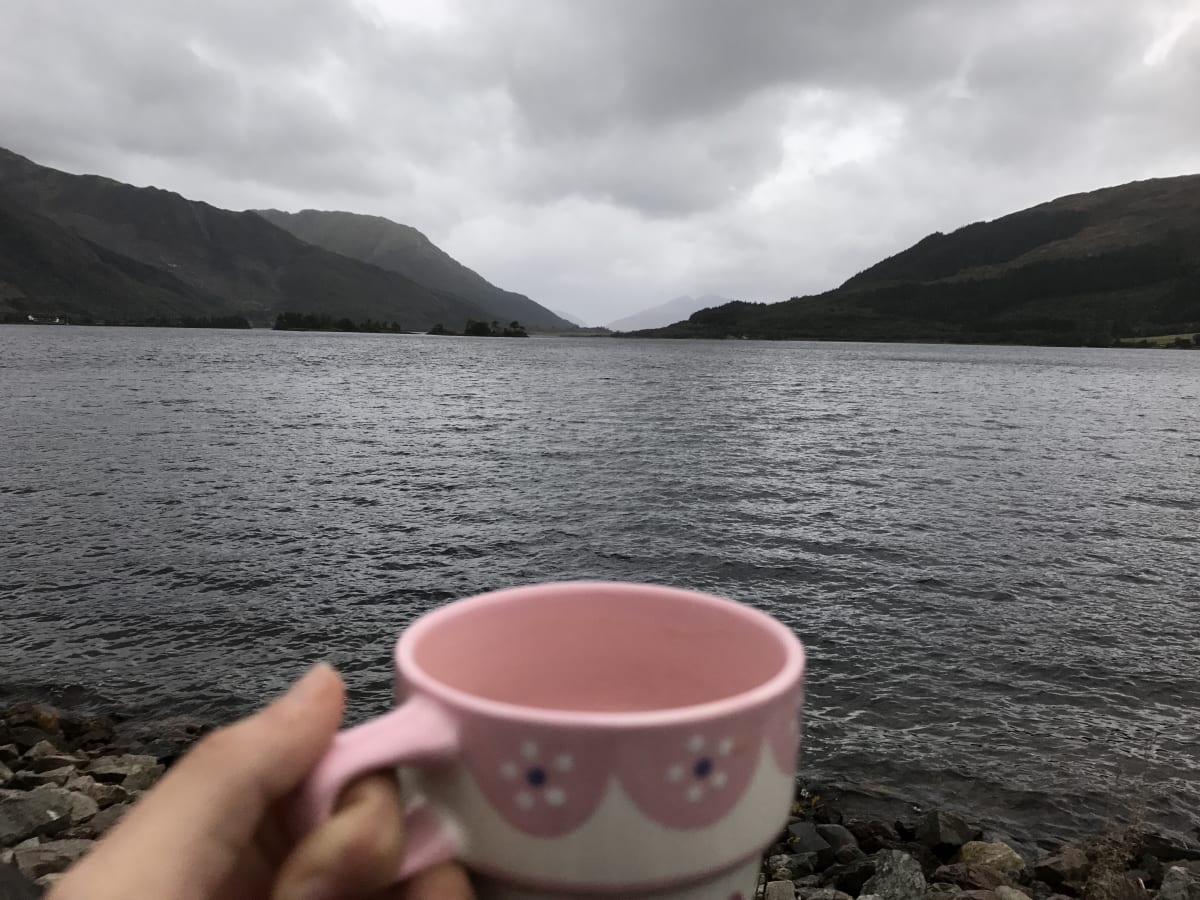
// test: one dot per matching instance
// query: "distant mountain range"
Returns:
(96, 249)
(665, 313)
(401, 248)
(1089, 268)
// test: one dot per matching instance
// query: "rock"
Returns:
(851, 877)
(51, 762)
(38, 715)
(779, 890)
(994, 854)
(143, 779)
(1070, 866)
(1149, 870)
(54, 856)
(897, 877)
(1179, 884)
(27, 781)
(778, 867)
(824, 894)
(102, 793)
(1110, 885)
(874, 835)
(803, 837)
(842, 840)
(80, 806)
(115, 769)
(1155, 844)
(41, 750)
(972, 877)
(15, 886)
(6, 774)
(9, 754)
(36, 813)
(107, 818)
(976, 895)
(941, 887)
(89, 730)
(802, 863)
(1003, 892)
(944, 833)
(26, 736)
(929, 860)
(81, 832)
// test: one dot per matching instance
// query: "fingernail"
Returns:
(310, 685)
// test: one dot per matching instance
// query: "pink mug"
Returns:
(587, 738)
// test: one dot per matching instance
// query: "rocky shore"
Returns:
(66, 778)
(823, 855)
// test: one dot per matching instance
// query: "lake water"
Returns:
(993, 554)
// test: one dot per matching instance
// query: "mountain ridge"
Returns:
(406, 250)
(181, 258)
(1086, 268)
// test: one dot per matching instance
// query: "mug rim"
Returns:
(787, 678)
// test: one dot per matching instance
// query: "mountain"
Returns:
(403, 249)
(46, 270)
(666, 313)
(1083, 269)
(204, 258)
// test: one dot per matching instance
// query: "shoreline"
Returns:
(66, 777)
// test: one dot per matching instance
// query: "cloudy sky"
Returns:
(606, 155)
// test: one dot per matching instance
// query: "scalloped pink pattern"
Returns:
(690, 776)
(547, 781)
(544, 781)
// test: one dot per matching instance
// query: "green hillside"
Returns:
(403, 249)
(1084, 269)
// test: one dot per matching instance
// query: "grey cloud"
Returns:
(613, 154)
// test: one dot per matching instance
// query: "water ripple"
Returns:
(990, 552)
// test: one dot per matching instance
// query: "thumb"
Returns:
(191, 830)
(230, 778)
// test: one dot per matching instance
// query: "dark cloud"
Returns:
(604, 156)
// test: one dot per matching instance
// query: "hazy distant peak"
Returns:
(672, 311)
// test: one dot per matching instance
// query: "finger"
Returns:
(445, 881)
(355, 852)
(230, 778)
(193, 827)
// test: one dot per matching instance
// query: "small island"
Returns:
(483, 329)
(289, 321)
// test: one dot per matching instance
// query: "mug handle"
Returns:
(417, 731)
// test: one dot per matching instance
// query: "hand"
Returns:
(213, 827)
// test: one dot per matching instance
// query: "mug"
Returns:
(584, 739)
